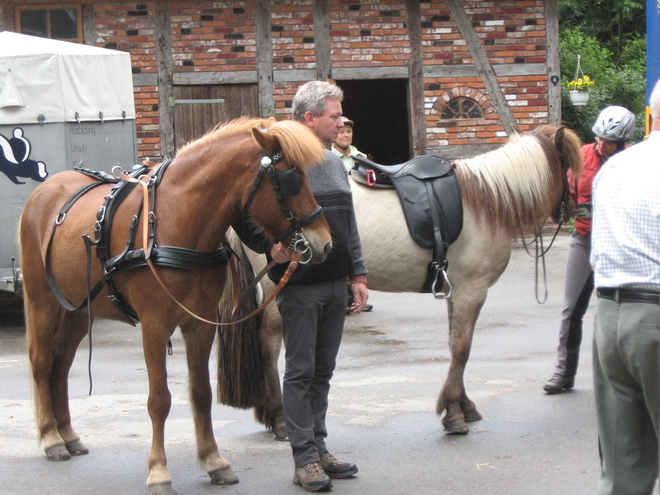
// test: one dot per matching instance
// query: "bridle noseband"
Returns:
(286, 184)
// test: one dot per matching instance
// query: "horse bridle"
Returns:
(286, 184)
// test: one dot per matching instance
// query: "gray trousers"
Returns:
(578, 288)
(312, 324)
(626, 354)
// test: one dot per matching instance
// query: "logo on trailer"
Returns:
(15, 159)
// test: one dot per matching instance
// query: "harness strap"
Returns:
(150, 261)
(295, 226)
(49, 273)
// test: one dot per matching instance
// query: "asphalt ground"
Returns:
(391, 367)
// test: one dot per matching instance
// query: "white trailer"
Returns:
(61, 104)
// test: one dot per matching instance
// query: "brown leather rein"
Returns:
(143, 181)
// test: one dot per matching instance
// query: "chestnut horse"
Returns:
(209, 185)
(506, 193)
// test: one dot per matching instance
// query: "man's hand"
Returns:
(360, 297)
(280, 254)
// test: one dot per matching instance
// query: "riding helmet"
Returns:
(615, 124)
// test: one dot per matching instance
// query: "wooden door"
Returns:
(198, 109)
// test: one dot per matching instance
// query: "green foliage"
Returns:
(613, 23)
(620, 79)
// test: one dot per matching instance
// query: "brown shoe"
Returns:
(312, 477)
(337, 469)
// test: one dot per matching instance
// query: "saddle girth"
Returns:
(430, 197)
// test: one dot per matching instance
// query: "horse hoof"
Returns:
(281, 434)
(76, 448)
(58, 453)
(456, 427)
(161, 489)
(223, 477)
(472, 415)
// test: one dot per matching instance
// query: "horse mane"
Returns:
(299, 144)
(516, 186)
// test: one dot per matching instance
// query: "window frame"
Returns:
(458, 116)
(48, 8)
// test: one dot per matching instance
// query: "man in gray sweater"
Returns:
(313, 303)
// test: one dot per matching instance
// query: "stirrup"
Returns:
(437, 269)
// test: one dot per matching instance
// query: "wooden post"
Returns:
(9, 17)
(416, 79)
(483, 66)
(264, 59)
(322, 40)
(165, 78)
(554, 65)
(89, 24)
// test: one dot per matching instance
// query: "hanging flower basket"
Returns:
(579, 87)
(579, 98)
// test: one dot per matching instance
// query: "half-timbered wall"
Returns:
(475, 70)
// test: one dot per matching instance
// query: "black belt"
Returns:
(630, 295)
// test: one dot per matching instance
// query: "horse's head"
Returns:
(564, 150)
(281, 200)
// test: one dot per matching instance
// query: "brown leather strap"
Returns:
(295, 258)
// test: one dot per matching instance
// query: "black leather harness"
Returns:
(169, 256)
(431, 200)
(285, 183)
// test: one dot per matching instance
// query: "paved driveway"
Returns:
(391, 367)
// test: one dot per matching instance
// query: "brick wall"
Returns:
(213, 36)
(220, 36)
(512, 32)
(131, 28)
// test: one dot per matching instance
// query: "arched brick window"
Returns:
(461, 103)
(461, 108)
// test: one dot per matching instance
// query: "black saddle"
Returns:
(431, 200)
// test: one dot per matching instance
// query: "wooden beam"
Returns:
(501, 70)
(416, 79)
(264, 59)
(163, 24)
(322, 40)
(219, 77)
(554, 65)
(339, 73)
(9, 18)
(89, 24)
(483, 66)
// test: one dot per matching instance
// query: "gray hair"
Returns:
(654, 100)
(311, 98)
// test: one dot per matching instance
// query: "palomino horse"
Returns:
(209, 185)
(506, 193)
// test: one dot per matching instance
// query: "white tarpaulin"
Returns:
(62, 81)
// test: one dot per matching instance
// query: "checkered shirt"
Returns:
(626, 218)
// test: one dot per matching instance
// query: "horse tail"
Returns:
(30, 333)
(242, 362)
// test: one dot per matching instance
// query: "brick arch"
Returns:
(442, 100)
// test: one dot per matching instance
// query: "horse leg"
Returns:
(73, 330)
(53, 337)
(463, 314)
(154, 343)
(199, 341)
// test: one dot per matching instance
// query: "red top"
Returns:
(581, 188)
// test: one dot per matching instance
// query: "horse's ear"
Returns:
(266, 142)
(559, 135)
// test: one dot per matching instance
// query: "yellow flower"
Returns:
(581, 84)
